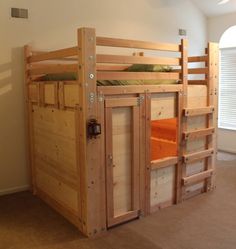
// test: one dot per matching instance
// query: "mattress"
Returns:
(133, 68)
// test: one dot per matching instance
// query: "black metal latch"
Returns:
(94, 128)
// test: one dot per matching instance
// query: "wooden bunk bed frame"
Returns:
(78, 175)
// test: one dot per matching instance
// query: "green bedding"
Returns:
(133, 68)
(149, 68)
(134, 82)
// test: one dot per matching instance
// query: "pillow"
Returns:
(149, 68)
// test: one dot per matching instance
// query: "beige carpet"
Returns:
(205, 222)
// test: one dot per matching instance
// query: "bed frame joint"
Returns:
(91, 97)
(140, 100)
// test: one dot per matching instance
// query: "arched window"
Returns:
(227, 87)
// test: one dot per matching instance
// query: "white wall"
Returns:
(53, 24)
(216, 27)
(219, 24)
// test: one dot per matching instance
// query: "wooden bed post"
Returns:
(212, 118)
(182, 103)
(92, 172)
(216, 98)
(29, 122)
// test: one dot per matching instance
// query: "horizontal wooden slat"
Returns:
(136, 76)
(53, 69)
(197, 58)
(197, 155)
(113, 90)
(64, 59)
(121, 102)
(112, 42)
(194, 70)
(198, 133)
(197, 82)
(197, 70)
(161, 163)
(197, 177)
(69, 82)
(122, 59)
(189, 112)
(57, 54)
(107, 67)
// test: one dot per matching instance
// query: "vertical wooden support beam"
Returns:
(29, 122)
(215, 114)
(41, 94)
(92, 187)
(148, 153)
(142, 158)
(211, 120)
(135, 181)
(61, 93)
(182, 122)
(79, 171)
(109, 165)
(56, 95)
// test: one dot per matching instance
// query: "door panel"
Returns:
(122, 159)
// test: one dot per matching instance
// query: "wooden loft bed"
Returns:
(103, 155)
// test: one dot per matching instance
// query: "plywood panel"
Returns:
(64, 175)
(61, 123)
(57, 190)
(162, 185)
(55, 150)
(196, 145)
(33, 95)
(197, 96)
(163, 106)
(196, 123)
(55, 154)
(122, 162)
(195, 188)
(71, 95)
(194, 168)
(49, 94)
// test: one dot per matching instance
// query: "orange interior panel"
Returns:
(163, 138)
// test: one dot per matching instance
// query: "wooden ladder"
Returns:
(209, 132)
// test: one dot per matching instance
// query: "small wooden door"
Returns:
(122, 159)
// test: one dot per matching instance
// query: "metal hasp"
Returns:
(93, 129)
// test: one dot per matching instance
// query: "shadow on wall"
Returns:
(5, 83)
(12, 125)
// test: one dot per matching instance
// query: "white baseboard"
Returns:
(14, 190)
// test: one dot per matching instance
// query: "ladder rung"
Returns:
(197, 177)
(197, 155)
(198, 70)
(197, 82)
(197, 58)
(189, 112)
(198, 133)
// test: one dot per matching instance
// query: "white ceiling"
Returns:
(211, 8)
